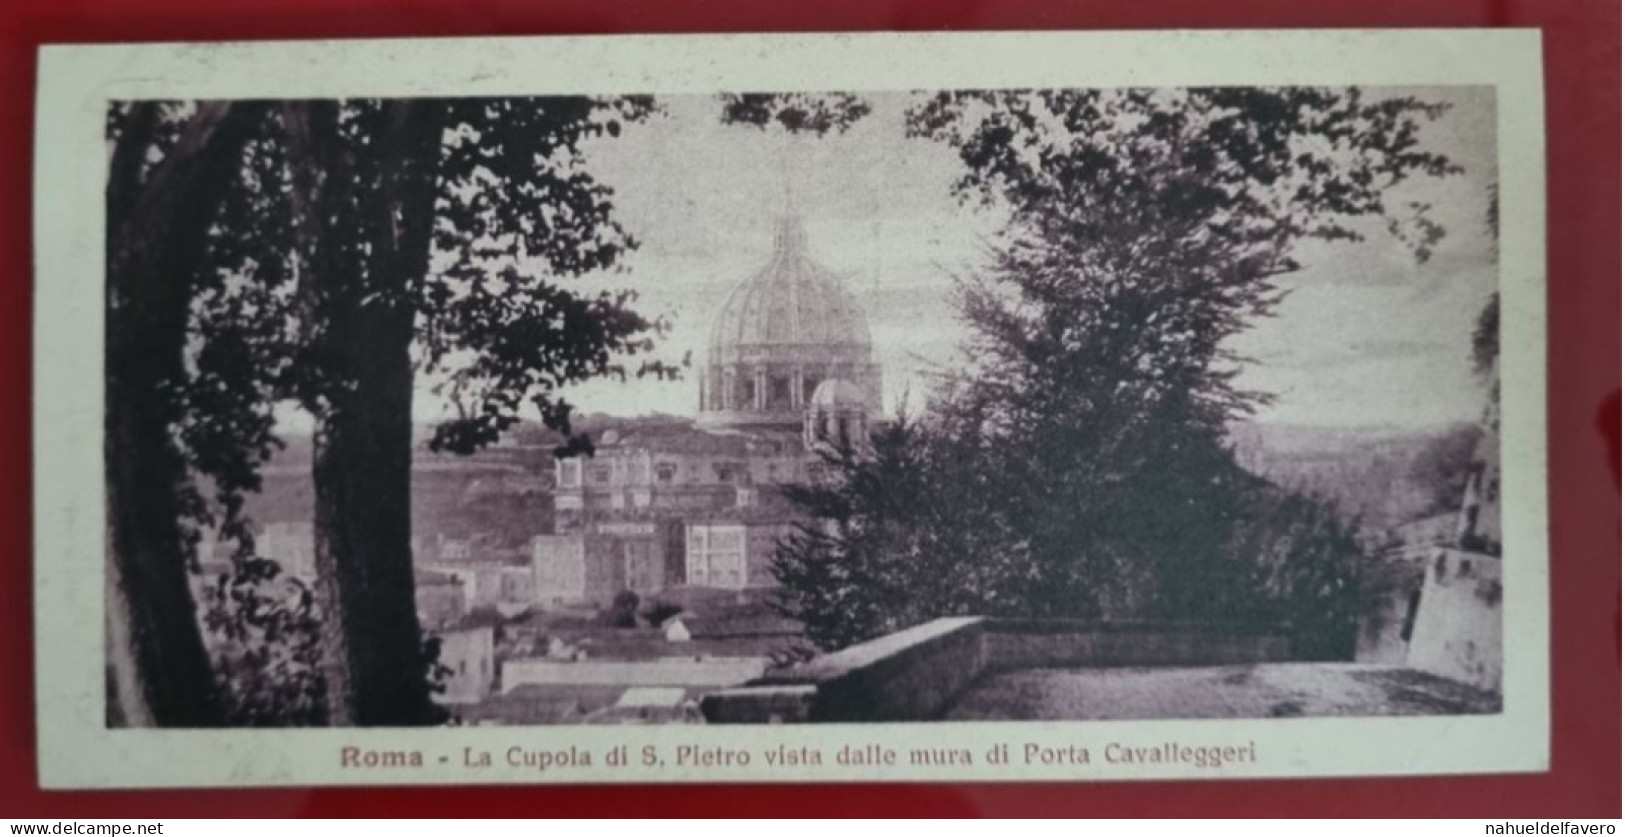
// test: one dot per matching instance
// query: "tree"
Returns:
(1443, 467)
(623, 610)
(1146, 228)
(898, 533)
(170, 171)
(332, 253)
(1305, 568)
(436, 227)
(268, 662)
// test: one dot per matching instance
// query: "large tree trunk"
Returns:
(362, 471)
(157, 235)
(363, 447)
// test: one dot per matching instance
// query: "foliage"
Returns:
(623, 610)
(513, 213)
(1306, 564)
(659, 612)
(1445, 465)
(435, 674)
(1147, 228)
(797, 113)
(1487, 337)
(266, 637)
(169, 172)
(463, 216)
(515, 194)
(265, 634)
(902, 533)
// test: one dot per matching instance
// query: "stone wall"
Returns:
(916, 674)
(1457, 632)
(1026, 644)
(1391, 591)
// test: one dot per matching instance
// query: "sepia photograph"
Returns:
(762, 408)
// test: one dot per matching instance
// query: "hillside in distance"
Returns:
(503, 493)
(1381, 476)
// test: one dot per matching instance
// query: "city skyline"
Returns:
(1363, 328)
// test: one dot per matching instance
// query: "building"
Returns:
(836, 418)
(1434, 603)
(670, 473)
(469, 654)
(595, 566)
(440, 599)
(492, 584)
(789, 375)
(732, 554)
(781, 333)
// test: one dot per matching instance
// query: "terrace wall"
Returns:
(916, 674)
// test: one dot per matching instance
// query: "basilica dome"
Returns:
(792, 301)
(779, 333)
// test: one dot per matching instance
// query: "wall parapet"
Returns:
(916, 674)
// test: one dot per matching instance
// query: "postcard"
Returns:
(790, 408)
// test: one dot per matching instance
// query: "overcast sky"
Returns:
(1366, 337)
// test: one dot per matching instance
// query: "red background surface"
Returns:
(1582, 48)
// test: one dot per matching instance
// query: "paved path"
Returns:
(1272, 690)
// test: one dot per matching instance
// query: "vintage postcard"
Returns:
(950, 407)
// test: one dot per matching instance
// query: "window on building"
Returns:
(665, 472)
(778, 393)
(1412, 605)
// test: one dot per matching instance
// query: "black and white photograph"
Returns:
(782, 407)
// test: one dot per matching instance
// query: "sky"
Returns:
(1366, 336)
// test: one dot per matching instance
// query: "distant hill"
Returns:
(1376, 474)
(504, 492)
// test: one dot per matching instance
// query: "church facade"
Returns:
(789, 367)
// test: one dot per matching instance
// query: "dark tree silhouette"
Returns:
(171, 168)
(1146, 228)
(332, 253)
(439, 227)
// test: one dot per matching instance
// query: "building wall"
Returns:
(560, 567)
(593, 567)
(716, 555)
(605, 568)
(1390, 597)
(292, 545)
(1457, 630)
(470, 654)
(440, 602)
(762, 542)
(670, 671)
(732, 555)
